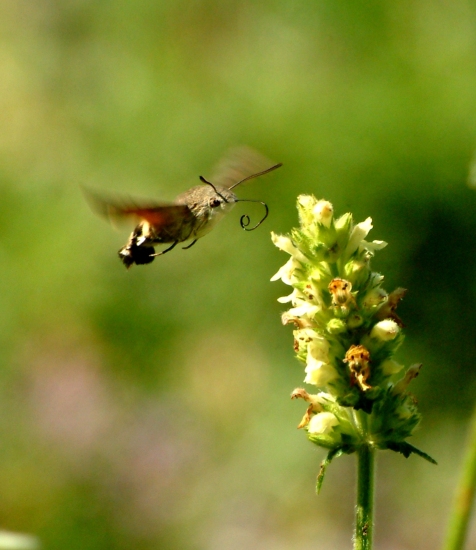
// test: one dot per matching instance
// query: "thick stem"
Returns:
(464, 499)
(365, 498)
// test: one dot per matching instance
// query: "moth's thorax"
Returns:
(204, 196)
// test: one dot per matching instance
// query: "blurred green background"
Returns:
(150, 408)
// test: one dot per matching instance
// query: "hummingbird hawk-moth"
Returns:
(192, 215)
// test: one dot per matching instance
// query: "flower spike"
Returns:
(346, 335)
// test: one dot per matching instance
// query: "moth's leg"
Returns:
(166, 250)
(190, 245)
(188, 237)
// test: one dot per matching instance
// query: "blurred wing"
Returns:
(117, 208)
(237, 164)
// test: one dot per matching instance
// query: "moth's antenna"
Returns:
(255, 176)
(245, 219)
(202, 179)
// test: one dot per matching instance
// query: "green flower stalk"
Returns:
(346, 334)
(464, 498)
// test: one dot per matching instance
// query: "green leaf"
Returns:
(330, 455)
(406, 450)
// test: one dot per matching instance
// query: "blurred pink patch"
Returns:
(71, 402)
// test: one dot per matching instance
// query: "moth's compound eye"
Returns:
(214, 203)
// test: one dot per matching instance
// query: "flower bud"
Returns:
(402, 384)
(374, 298)
(336, 326)
(322, 423)
(389, 367)
(354, 321)
(323, 212)
(305, 206)
(385, 330)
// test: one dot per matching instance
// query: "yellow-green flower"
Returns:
(346, 334)
(322, 423)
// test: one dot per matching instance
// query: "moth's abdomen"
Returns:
(134, 254)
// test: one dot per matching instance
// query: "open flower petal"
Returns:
(319, 373)
(286, 245)
(374, 245)
(285, 273)
(288, 298)
(360, 231)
